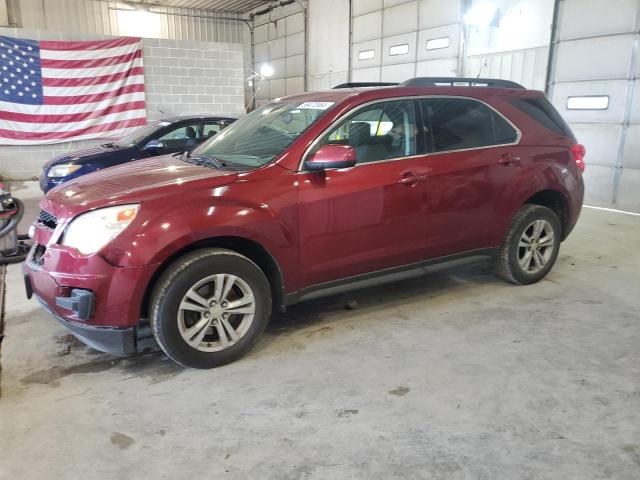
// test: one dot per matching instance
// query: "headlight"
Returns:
(62, 170)
(91, 231)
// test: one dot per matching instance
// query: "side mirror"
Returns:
(332, 156)
(153, 146)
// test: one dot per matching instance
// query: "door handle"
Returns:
(508, 159)
(410, 179)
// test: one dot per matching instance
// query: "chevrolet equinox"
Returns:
(306, 196)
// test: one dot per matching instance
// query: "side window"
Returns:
(380, 131)
(211, 129)
(184, 136)
(457, 124)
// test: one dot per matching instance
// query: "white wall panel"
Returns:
(629, 190)
(294, 85)
(367, 27)
(601, 142)
(375, 45)
(360, 7)
(616, 89)
(392, 3)
(445, 67)
(436, 13)
(584, 18)
(398, 73)
(295, 66)
(400, 19)
(294, 24)
(594, 58)
(277, 48)
(598, 184)
(295, 44)
(261, 52)
(526, 67)
(366, 74)
(409, 39)
(452, 32)
(632, 148)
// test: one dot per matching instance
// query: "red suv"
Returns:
(309, 195)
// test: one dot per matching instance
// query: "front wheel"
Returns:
(209, 308)
(531, 246)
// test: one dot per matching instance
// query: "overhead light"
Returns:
(266, 70)
(139, 23)
(481, 15)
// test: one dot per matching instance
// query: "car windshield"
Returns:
(263, 134)
(139, 135)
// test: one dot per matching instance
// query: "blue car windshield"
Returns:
(139, 135)
(262, 135)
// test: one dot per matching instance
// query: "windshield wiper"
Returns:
(109, 145)
(201, 160)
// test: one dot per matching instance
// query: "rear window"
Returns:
(541, 110)
(459, 124)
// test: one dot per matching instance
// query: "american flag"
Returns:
(52, 92)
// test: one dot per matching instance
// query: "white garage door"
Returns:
(595, 87)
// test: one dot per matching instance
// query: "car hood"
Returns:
(79, 156)
(132, 182)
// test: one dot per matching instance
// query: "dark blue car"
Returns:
(160, 137)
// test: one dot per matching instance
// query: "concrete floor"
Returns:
(452, 376)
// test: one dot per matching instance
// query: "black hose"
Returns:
(13, 222)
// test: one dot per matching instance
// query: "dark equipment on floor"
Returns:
(13, 248)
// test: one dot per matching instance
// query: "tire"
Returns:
(511, 263)
(189, 297)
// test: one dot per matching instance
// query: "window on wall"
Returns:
(589, 102)
(381, 131)
(399, 49)
(366, 54)
(458, 124)
(438, 43)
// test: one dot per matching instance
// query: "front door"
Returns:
(372, 216)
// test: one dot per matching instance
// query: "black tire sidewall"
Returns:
(178, 279)
(535, 213)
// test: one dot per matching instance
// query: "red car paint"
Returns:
(318, 227)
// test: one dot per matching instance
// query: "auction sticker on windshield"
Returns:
(316, 105)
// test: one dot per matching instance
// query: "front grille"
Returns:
(47, 220)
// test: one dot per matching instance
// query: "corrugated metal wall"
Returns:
(101, 18)
(596, 89)
(389, 39)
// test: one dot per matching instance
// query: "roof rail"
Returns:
(459, 82)
(366, 84)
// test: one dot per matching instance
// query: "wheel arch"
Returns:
(244, 246)
(555, 201)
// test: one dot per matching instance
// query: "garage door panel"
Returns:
(610, 58)
(295, 66)
(294, 85)
(261, 52)
(438, 34)
(445, 67)
(278, 68)
(359, 49)
(261, 34)
(366, 74)
(398, 73)
(628, 191)
(631, 156)
(367, 27)
(582, 18)
(436, 13)
(295, 44)
(277, 48)
(601, 142)
(635, 104)
(393, 3)
(277, 88)
(294, 24)
(598, 185)
(360, 7)
(616, 90)
(400, 19)
(398, 42)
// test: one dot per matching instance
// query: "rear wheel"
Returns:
(531, 246)
(209, 308)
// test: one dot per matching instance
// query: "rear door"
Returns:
(372, 216)
(473, 159)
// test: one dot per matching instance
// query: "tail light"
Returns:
(579, 152)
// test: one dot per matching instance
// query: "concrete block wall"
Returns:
(181, 78)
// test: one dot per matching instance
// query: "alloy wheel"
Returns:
(536, 245)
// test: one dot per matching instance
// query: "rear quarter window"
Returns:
(541, 110)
